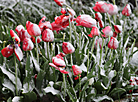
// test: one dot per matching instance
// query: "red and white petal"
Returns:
(58, 62)
(19, 28)
(76, 70)
(51, 64)
(48, 35)
(7, 51)
(27, 44)
(63, 71)
(18, 52)
(13, 34)
(67, 48)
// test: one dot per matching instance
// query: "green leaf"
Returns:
(117, 92)
(100, 98)
(99, 86)
(9, 99)
(108, 63)
(91, 93)
(29, 97)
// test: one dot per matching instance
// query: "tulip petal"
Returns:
(18, 52)
(13, 34)
(7, 51)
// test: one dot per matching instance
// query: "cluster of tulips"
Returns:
(44, 31)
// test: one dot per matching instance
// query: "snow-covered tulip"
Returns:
(14, 35)
(43, 24)
(107, 32)
(113, 9)
(98, 16)
(101, 24)
(113, 43)
(60, 2)
(27, 44)
(18, 52)
(33, 29)
(7, 51)
(22, 33)
(59, 63)
(56, 27)
(118, 28)
(94, 32)
(67, 48)
(101, 7)
(48, 35)
(127, 10)
(114, 34)
(76, 70)
(99, 41)
(85, 21)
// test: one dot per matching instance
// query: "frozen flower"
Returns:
(118, 28)
(99, 41)
(113, 9)
(38, 39)
(60, 2)
(47, 35)
(67, 48)
(113, 43)
(107, 32)
(94, 32)
(98, 16)
(33, 29)
(127, 10)
(101, 7)
(114, 34)
(85, 21)
(59, 63)
(101, 23)
(27, 44)
(76, 70)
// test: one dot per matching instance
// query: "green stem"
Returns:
(79, 86)
(64, 85)
(27, 71)
(70, 29)
(92, 48)
(37, 50)
(101, 51)
(16, 75)
(80, 39)
(88, 61)
(48, 50)
(111, 54)
(109, 19)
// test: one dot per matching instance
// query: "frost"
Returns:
(16, 99)
(83, 67)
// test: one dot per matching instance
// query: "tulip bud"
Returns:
(7, 51)
(127, 10)
(67, 48)
(27, 44)
(113, 43)
(118, 28)
(94, 32)
(47, 35)
(76, 70)
(60, 2)
(113, 9)
(107, 32)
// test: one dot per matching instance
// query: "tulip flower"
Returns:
(67, 48)
(113, 9)
(118, 28)
(127, 10)
(59, 63)
(27, 44)
(76, 70)
(60, 2)
(85, 21)
(68, 11)
(33, 29)
(101, 7)
(38, 39)
(56, 27)
(101, 23)
(13, 48)
(98, 16)
(114, 34)
(44, 24)
(94, 32)
(107, 32)
(100, 42)
(47, 35)
(22, 33)
(113, 43)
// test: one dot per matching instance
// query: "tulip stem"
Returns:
(37, 50)
(16, 75)
(64, 85)
(101, 51)
(92, 48)
(88, 61)
(79, 86)
(109, 19)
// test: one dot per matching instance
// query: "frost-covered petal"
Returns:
(27, 44)
(67, 48)
(14, 35)
(7, 51)
(60, 2)
(98, 16)
(58, 62)
(76, 70)
(118, 28)
(113, 43)
(18, 52)
(113, 9)
(107, 31)
(94, 32)
(47, 35)
(127, 10)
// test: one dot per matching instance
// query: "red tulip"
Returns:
(113, 9)
(107, 32)
(47, 35)
(94, 32)
(76, 70)
(127, 10)
(68, 12)
(100, 42)
(118, 28)
(114, 34)
(58, 63)
(101, 23)
(98, 16)
(56, 27)
(77, 77)
(85, 21)
(60, 2)
(14, 35)
(7, 51)
(27, 44)
(44, 24)
(113, 43)
(33, 29)
(101, 7)
(18, 52)
(67, 48)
